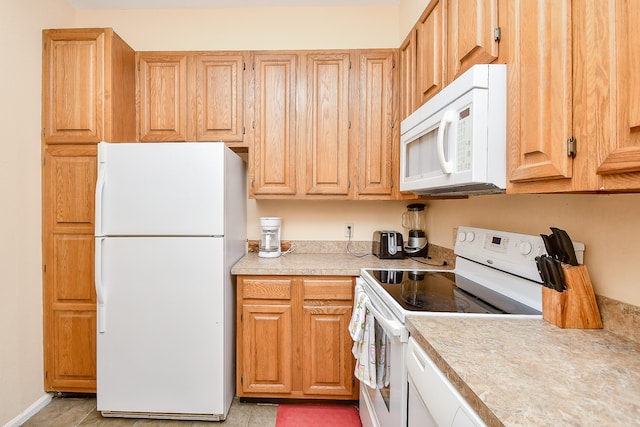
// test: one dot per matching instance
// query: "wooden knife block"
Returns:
(576, 307)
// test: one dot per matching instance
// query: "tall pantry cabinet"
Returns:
(88, 95)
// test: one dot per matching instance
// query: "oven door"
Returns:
(386, 406)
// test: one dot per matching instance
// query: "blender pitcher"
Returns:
(415, 221)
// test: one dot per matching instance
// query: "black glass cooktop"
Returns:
(439, 292)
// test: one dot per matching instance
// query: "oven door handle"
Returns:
(390, 326)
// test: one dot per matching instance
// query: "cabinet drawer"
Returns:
(261, 288)
(328, 289)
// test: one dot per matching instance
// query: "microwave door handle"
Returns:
(447, 119)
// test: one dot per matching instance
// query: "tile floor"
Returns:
(76, 412)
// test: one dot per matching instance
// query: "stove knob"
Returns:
(471, 236)
(462, 236)
(525, 248)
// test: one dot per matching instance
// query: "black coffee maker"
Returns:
(415, 221)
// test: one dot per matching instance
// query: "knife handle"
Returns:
(542, 270)
(565, 246)
(556, 275)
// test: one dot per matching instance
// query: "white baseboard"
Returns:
(30, 411)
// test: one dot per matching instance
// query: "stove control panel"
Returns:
(511, 252)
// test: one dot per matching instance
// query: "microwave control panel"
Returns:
(464, 146)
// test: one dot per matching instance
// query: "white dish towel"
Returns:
(370, 343)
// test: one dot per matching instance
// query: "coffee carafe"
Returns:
(415, 221)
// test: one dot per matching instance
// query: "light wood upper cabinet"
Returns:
(272, 159)
(192, 96)
(293, 337)
(572, 78)
(473, 34)
(162, 87)
(408, 70)
(88, 86)
(431, 50)
(616, 24)
(324, 125)
(378, 158)
(325, 129)
(540, 98)
(218, 101)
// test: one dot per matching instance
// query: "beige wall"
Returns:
(21, 24)
(251, 29)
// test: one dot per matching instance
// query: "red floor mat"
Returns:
(312, 415)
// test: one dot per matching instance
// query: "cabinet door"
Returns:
(266, 342)
(325, 156)
(471, 39)
(619, 150)
(430, 48)
(69, 177)
(72, 91)
(217, 97)
(377, 160)
(408, 75)
(540, 98)
(326, 343)
(162, 87)
(272, 166)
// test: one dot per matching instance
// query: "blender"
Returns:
(415, 221)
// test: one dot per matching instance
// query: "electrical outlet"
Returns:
(348, 230)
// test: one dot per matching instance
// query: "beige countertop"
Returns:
(321, 264)
(528, 372)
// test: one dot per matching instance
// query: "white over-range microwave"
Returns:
(456, 142)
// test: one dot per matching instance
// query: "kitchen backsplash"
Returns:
(359, 247)
(620, 318)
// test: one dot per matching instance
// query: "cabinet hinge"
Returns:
(44, 131)
(393, 63)
(253, 66)
(572, 147)
(44, 268)
(349, 64)
(138, 67)
(349, 125)
(393, 124)
(244, 66)
(497, 34)
(244, 130)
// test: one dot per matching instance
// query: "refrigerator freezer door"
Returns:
(160, 348)
(163, 189)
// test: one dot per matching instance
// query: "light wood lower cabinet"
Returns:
(69, 176)
(293, 337)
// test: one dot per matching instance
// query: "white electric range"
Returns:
(495, 275)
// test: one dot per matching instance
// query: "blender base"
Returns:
(416, 252)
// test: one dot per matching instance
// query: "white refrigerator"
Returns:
(170, 221)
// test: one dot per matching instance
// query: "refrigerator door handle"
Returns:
(98, 202)
(100, 293)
